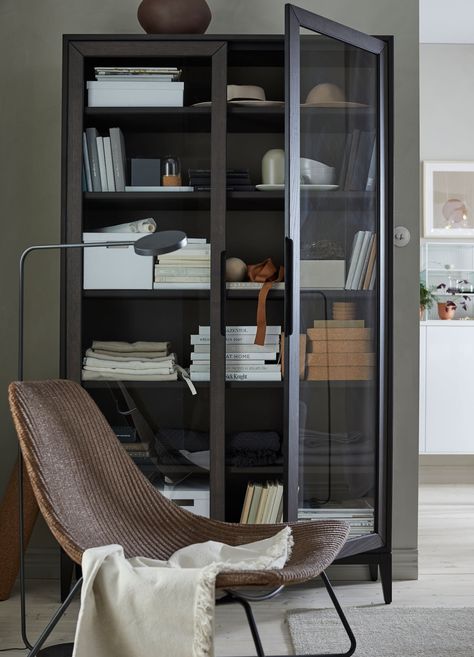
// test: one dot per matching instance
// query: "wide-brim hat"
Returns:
(249, 95)
(327, 94)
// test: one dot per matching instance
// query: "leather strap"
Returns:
(266, 273)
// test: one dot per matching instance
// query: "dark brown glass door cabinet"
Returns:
(331, 410)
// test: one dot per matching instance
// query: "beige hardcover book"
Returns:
(344, 358)
(338, 323)
(257, 492)
(269, 505)
(247, 503)
(261, 505)
(339, 334)
(302, 355)
(347, 373)
(339, 346)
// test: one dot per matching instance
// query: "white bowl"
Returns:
(316, 173)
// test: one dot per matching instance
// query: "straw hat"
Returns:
(327, 94)
(248, 95)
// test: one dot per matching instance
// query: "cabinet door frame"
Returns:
(295, 19)
(76, 50)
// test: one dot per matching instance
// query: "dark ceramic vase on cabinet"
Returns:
(174, 16)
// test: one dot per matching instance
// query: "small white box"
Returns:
(193, 497)
(135, 94)
(116, 267)
(323, 274)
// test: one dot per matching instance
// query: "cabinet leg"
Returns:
(374, 571)
(386, 577)
(66, 571)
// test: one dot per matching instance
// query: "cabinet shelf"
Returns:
(239, 119)
(179, 294)
(337, 200)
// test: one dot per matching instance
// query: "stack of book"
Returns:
(360, 517)
(104, 163)
(140, 452)
(245, 361)
(188, 268)
(238, 180)
(131, 86)
(362, 266)
(263, 503)
(339, 350)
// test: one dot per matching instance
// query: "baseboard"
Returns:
(446, 469)
(43, 563)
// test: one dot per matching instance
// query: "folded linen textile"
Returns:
(132, 354)
(130, 347)
(124, 358)
(139, 606)
(162, 368)
(139, 226)
(254, 441)
(88, 375)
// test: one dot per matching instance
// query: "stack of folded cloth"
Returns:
(129, 361)
(253, 448)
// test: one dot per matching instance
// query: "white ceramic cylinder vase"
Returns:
(273, 167)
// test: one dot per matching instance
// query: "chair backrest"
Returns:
(88, 489)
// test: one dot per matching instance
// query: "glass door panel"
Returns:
(334, 164)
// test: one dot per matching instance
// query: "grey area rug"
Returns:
(385, 631)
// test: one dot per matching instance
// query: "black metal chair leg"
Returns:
(343, 619)
(54, 650)
(252, 625)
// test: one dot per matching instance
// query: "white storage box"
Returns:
(117, 267)
(135, 94)
(193, 497)
(323, 274)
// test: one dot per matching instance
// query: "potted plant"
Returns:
(426, 299)
(447, 309)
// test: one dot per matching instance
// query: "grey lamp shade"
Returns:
(160, 242)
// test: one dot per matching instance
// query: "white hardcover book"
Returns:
(249, 285)
(87, 165)
(361, 259)
(109, 167)
(372, 278)
(236, 339)
(160, 278)
(363, 272)
(241, 330)
(239, 376)
(238, 356)
(113, 96)
(250, 367)
(240, 348)
(119, 162)
(356, 242)
(181, 286)
(164, 270)
(276, 506)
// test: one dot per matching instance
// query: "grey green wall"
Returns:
(30, 61)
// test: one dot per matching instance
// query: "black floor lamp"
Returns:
(153, 244)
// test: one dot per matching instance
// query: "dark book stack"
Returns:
(238, 180)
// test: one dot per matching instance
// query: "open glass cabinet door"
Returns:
(337, 329)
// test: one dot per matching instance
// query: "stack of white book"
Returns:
(263, 503)
(362, 266)
(131, 86)
(188, 268)
(360, 519)
(245, 361)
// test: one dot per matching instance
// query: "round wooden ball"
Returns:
(235, 270)
(174, 16)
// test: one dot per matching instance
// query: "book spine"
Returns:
(102, 171)
(241, 330)
(91, 135)
(240, 348)
(118, 158)
(354, 255)
(87, 165)
(159, 278)
(235, 339)
(268, 355)
(109, 167)
(164, 270)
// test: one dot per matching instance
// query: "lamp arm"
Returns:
(21, 313)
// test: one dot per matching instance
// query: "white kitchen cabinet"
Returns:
(446, 387)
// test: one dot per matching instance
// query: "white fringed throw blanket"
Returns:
(136, 607)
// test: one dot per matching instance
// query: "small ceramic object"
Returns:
(327, 94)
(174, 16)
(455, 211)
(316, 173)
(235, 270)
(446, 311)
(273, 167)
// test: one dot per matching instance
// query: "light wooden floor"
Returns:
(446, 545)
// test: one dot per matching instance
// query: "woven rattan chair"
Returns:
(91, 493)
